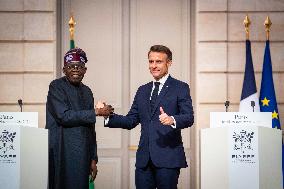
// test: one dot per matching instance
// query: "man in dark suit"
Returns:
(163, 107)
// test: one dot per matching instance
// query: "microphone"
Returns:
(20, 102)
(227, 104)
(252, 103)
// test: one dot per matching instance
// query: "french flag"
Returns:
(249, 99)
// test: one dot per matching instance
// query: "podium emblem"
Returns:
(7, 147)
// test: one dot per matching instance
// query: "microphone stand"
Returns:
(20, 102)
(252, 103)
(227, 104)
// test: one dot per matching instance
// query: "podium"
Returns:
(23, 152)
(241, 151)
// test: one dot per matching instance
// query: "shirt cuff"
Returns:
(106, 121)
(175, 123)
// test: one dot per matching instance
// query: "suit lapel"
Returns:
(163, 92)
(147, 96)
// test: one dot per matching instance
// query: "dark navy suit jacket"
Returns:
(162, 143)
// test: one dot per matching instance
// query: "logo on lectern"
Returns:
(243, 150)
(243, 140)
(7, 147)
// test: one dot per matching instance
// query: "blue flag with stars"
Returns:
(267, 99)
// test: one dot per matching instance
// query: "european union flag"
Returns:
(267, 99)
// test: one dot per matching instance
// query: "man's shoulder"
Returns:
(58, 81)
(57, 85)
(86, 87)
(146, 85)
(177, 82)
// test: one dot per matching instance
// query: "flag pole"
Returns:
(267, 24)
(247, 23)
(249, 97)
(72, 24)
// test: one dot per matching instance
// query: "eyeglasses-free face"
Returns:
(158, 64)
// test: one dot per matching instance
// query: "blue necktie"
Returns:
(154, 95)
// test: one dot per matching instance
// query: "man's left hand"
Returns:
(165, 119)
(93, 170)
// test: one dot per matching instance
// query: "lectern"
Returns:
(244, 155)
(23, 152)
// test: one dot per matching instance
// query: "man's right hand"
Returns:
(102, 109)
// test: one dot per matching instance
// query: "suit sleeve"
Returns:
(93, 135)
(94, 155)
(130, 121)
(57, 104)
(185, 117)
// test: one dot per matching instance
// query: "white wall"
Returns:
(27, 54)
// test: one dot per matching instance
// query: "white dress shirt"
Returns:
(162, 83)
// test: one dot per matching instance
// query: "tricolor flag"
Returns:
(267, 99)
(249, 98)
(72, 44)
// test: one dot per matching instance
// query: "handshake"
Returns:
(103, 109)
